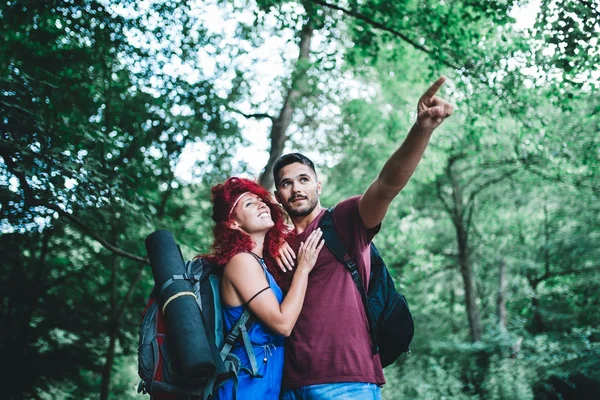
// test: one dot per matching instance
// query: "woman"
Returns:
(250, 229)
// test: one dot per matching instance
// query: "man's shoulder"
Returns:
(347, 208)
(346, 217)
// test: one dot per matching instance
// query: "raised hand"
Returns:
(432, 110)
(309, 251)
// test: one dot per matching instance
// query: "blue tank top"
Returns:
(268, 350)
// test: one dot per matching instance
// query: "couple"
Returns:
(328, 353)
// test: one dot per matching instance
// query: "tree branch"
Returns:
(438, 185)
(64, 280)
(15, 106)
(548, 275)
(529, 165)
(575, 271)
(470, 208)
(283, 121)
(443, 269)
(384, 28)
(127, 299)
(453, 256)
(254, 115)
(31, 200)
(14, 168)
(489, 183)
(95, 235)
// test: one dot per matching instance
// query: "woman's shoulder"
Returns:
(241, 261)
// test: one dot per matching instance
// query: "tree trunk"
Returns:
(113, 329)
(460, 220)
(456, 327)
(16, 344)
(537, 322)
(110, 359)
(469, 285)
(117, 310)
(501, 302)
(282, 122)
(115, 325)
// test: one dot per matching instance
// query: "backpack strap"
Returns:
(335, 245)
(249, 351)
(261, 262)
(235, 332)
(195, 278)
(194, 275)
(241, 328)
(377, 265)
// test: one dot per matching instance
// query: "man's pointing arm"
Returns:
(395, 174)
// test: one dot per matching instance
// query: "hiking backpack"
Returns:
(156, 365)
(391, 325)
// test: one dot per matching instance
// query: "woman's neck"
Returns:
(259, 241)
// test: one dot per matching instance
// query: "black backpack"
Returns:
(391, 325)
(156, 365)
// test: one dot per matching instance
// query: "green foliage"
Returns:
(518, 164)
(92, 129)
(569, 31)
(95, 119)
(508, 379)
(424, 378)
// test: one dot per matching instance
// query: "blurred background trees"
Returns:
(118, 117)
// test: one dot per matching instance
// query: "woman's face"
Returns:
(252, 215)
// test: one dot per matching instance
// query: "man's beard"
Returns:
(303, 212)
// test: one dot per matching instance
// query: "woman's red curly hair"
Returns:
(229, 242)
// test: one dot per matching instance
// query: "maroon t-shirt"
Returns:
(330, 342)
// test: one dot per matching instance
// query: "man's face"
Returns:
(298, 190)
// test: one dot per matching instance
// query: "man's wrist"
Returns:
(422, 130)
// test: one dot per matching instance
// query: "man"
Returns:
(329, 354)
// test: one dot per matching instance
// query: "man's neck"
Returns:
(301, 223)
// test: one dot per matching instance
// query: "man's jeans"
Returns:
(337, 391)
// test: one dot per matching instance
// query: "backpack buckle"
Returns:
(231, 338)
(349, 262)
(142, 387)
(188, 277)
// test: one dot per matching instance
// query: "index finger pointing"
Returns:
(435, 87)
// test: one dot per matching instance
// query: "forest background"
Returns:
(117, 117)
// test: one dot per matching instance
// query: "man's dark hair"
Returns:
(288, 159)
